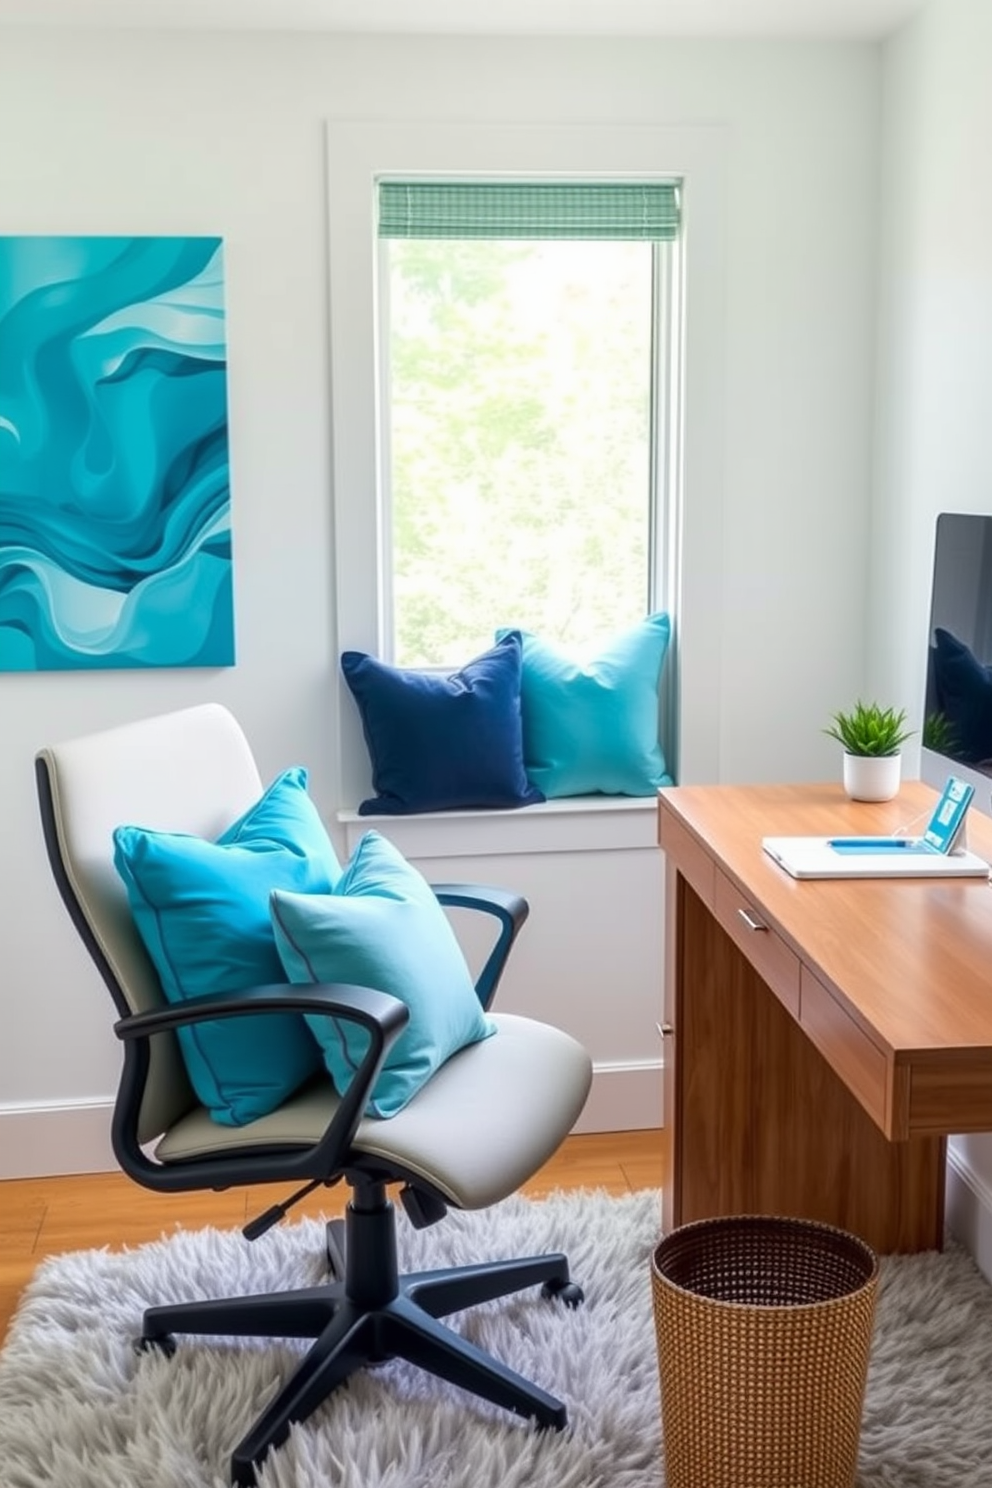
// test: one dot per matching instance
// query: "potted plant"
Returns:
(872, 737)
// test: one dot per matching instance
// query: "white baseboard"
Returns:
(39, 1141)
(968, 1208)
(625, 1096)
(43, 1141)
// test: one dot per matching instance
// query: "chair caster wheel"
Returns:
(568, 1292)
(166, 1344)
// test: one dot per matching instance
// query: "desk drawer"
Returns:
(854, 1058)
(748, 928)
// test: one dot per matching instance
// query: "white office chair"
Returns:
(483, 1124)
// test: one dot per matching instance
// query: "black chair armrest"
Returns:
(383, 1016)
(380, 1013)
(510, 909)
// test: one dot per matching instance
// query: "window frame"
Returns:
(359, 152)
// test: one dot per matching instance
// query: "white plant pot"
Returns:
(872, 777)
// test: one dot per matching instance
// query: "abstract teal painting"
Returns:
(115, 520)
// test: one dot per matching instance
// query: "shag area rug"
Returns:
(78, 1409)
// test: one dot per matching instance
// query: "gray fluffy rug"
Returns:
(79, 1410)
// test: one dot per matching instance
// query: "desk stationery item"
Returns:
(945, 829)
(935, 854)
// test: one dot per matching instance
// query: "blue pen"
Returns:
(877, 844)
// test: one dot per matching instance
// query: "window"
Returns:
(687, 543)
(528, 336)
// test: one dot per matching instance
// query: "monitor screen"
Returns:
(957, 717)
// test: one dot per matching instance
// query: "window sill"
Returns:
(571, 824)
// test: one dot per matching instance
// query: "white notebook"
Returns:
(818, 857)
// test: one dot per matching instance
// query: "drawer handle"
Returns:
(750, 921)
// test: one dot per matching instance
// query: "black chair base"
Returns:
(369, 1315)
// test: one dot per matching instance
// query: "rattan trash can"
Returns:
(763, 1328)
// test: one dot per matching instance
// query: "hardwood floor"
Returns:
(44, 1216)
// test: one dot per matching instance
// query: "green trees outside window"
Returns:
(517, 413)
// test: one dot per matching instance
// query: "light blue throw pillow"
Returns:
(202, 910)
(382, 927)
(592, 727)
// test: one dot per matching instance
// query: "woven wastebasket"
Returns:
(764, 1328)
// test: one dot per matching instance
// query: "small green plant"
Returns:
(869, 729)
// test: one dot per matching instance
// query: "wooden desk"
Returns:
(822, 1038)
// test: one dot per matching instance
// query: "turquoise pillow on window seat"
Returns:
(202, 910)
(591, 727)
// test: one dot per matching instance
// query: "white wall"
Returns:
(934, 447)
(138, 133)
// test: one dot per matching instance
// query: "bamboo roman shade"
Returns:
(630, 211)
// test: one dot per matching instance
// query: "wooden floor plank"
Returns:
(20, 1226)
(130, 1215)
(643, 1165)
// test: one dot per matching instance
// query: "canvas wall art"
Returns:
(115, 531)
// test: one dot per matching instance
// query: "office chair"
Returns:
(481, 1126)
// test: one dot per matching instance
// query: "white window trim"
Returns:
(360, 150)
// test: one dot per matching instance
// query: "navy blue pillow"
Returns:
(441, 743)
(964, 696)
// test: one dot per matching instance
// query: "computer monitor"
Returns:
(957, 717)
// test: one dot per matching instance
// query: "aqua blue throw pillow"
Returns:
(382, 927)
(202, 910)
(592, 727)
(441, 743)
